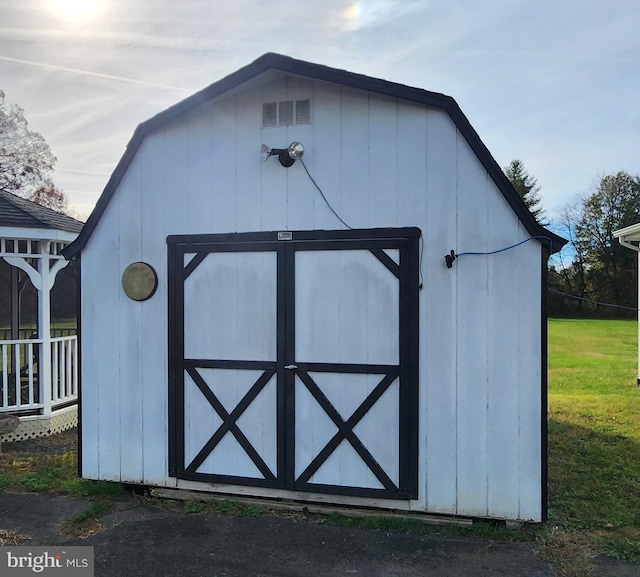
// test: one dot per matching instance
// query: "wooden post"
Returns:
(44, 328)
(15, 318)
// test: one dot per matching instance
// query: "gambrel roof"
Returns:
(18, 212)
(285, 64)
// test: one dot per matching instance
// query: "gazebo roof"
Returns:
(19, 213)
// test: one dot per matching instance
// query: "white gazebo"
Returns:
(630, 237)
(38, 367)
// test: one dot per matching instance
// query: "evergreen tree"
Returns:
(527, 187)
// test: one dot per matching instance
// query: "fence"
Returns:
(23, 334)
(24, 387)
(64, 370)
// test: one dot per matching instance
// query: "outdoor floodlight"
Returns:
(286, 156)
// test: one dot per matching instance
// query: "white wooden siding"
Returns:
(438, 337)
(154, 409)
(381, 163)
(102, 369)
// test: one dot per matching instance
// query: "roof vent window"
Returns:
(286, 113)
(269, 114)
(303, 111)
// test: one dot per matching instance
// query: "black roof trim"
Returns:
(290, 65)
(18, 212)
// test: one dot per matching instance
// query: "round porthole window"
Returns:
(139, 281)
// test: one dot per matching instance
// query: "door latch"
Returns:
(291, 367)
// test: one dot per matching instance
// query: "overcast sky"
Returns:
(555, 83)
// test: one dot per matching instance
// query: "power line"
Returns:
(592, 302)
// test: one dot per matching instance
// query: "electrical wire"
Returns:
(509, 247)
(323, 196)
(343, 222)
(550, 289)
(591, 302)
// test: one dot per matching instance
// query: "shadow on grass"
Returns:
(594, 487)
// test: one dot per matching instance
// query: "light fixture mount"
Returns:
(286, 156)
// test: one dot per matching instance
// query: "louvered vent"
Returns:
(286, 113)
(269, 114)
(303, 111)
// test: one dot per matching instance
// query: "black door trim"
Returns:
(405, 240)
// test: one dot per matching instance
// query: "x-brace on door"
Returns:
(293, 360)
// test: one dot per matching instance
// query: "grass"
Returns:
(384, 523)
(42, 474)
(594, 435)
(223, 506)
(52, 474)
(87, 522)
(406, 524)
(57, 474)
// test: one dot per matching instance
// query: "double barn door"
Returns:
(293, 360)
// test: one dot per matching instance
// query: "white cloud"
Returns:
(553, 83)
(90, 73)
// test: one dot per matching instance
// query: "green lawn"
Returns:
(594, 432)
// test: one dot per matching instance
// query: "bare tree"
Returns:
(26, 161)
(569, 272)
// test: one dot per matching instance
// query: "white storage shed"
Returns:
(254, 322)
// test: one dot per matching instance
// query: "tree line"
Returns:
(594, 275)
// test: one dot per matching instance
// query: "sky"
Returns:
(555, 83)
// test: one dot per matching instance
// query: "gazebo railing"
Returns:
(64, 370)
(24, 387)
(23, 334)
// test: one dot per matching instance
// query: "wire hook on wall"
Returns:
(449, 258)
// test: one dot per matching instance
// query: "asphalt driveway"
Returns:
(139, 539)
